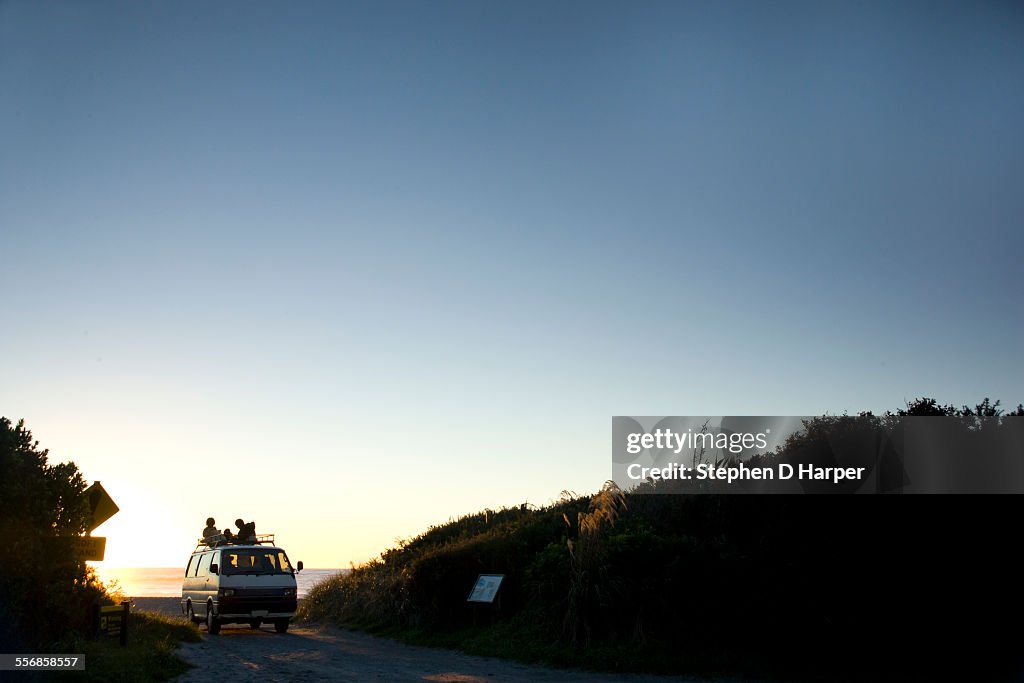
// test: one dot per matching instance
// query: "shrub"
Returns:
(45, 588)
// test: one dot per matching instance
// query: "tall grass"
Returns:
(150, 655)
(588, 577)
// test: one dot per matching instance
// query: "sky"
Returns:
(353, 269)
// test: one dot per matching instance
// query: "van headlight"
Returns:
(289, 592)
(226, 592)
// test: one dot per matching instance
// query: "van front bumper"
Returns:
(242, 607)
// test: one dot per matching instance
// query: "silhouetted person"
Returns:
(246, 531)
(211, 529)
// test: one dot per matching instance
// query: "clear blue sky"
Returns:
(453, 239)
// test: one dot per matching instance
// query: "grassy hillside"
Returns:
(798, 586)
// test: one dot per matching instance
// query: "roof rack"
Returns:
(220, 541)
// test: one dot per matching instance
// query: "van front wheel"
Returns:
(212, 622)
(281, 625)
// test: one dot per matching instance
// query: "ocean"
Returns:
(165, 582)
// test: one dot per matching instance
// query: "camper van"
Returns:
(251, 582)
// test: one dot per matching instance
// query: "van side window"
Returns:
(190, 560)
(204, 565)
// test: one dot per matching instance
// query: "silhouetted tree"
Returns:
(925, 407)
(44, 585)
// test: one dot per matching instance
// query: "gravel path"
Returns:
(302, 655)
(307, 655)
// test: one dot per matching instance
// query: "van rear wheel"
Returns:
(191, 615)
(281, 625)
(212, 622)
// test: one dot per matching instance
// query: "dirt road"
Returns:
(303, 655)
(309, 655)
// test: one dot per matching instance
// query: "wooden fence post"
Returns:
(124, 623)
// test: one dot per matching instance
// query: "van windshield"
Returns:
(255, 562)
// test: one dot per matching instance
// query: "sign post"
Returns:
(112, 620)
(102, 507)
(485, 591)
(486, 588)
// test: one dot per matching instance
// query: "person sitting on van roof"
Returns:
(211, 535)
(246, 531)
(211, 528)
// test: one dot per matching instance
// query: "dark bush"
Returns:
(45, 588)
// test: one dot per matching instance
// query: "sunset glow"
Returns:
(353, 270)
